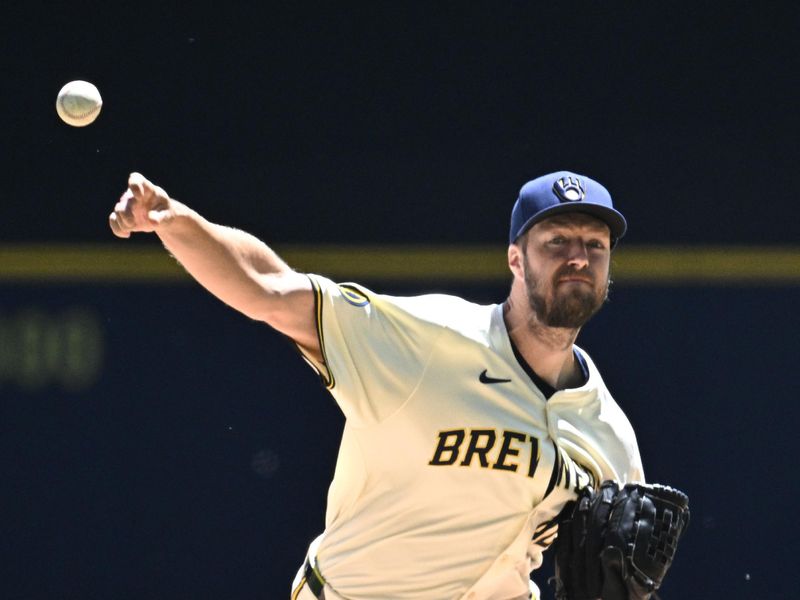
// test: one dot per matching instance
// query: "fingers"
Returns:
(124, 210)
(140, 186)
(122, 221)
(143, 207)
(135, 181)
(116, 228)
(130, 212)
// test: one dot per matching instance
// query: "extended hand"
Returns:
(143, 207)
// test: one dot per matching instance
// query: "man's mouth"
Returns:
(575, 279)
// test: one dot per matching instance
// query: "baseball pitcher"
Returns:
(473, 433)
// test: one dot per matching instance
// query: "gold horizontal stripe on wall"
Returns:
(647, 265)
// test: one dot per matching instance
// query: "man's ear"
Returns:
(515, 261)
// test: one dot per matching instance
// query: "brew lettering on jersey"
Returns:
(501, 450)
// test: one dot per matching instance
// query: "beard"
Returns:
(569, 306)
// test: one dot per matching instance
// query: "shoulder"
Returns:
(445, 310)
(450, 311)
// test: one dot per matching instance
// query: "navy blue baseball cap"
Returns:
(563, 192)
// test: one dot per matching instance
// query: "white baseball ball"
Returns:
(78, 103)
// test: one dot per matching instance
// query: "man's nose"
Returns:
(578, 255)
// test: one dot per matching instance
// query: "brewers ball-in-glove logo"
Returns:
(353, 295)
(570, 189)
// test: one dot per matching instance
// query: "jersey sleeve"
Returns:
(374, 347)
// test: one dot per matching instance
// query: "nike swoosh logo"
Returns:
(484, 378)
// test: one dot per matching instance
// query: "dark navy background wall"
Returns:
(196, 463)
(322, 122)
(155, 444)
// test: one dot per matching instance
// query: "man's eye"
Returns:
(596, 244)
(558, 240)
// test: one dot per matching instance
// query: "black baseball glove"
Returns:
(617, 544)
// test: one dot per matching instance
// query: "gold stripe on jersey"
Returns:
(326, 376)
(298, 589)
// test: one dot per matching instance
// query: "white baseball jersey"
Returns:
(453, 461)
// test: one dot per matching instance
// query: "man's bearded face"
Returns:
(559, 304)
